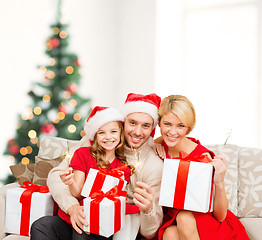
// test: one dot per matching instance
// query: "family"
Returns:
(125, 138)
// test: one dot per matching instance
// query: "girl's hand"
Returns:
(219, 163)
(159, 150)
(67, 176)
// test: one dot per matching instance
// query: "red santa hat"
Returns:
(98, 117)
(142, 103)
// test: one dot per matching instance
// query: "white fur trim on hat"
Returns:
(142, 107)
(99, 119)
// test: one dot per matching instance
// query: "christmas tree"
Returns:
(57, 109)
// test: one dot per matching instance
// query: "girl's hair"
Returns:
(180, 106)
(98, 152)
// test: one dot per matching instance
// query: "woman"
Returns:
(177, 120)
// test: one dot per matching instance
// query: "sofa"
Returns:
(243, 179)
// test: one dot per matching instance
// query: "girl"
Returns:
(177, 119)
(104, 128)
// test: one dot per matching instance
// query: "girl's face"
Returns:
(172, 129)
(108, 136)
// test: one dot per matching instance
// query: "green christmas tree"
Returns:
(57, 109)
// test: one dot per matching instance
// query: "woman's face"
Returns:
(172, 129)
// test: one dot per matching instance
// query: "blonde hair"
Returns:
(180, 106)
(98, 152)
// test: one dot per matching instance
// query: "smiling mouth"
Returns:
(171, 138)
(135, 139)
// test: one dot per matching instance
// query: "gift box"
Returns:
(187, 183)
(26, 204)
(103, 179)
(105, 212)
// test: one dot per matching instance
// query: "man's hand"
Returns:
(143, 197)
(77, 217)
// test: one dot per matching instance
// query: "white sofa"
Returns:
(243, 181)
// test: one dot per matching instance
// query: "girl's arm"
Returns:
(75, 180)
(220, 199)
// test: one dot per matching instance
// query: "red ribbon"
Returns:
(101, 176)
(25, 200)
(182, 176)
(98, 196)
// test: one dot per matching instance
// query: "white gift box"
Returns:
(199, 186)
(106, 224)
(42, 204)
(109, 182)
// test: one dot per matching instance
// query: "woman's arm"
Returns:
(220, 199)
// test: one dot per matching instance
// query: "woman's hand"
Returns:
(219, 163)
(159, 150)
(67, 176)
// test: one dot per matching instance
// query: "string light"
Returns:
(56, 30)
(37, 110)
(82, 133)
(77, 117)
(32, 134)
(28, 114)
(46, 98)
(66, 95)
(60, 115)
(52, 61)
(34, 140)
(23, 151)
(25, 160)
(43, 69)
(11, 158)
(56, 121)
(69, 70)
(73, 102)
(19, 125)
(50, 74)
(63, 34)
(71, 128)
(29, 149)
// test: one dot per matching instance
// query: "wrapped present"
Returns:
(105, 212)
(26, 204)
(187, 183)
(104, 180)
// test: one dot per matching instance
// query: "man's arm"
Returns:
(62, 196)
(147, 194)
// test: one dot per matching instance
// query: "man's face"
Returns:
(137, 129)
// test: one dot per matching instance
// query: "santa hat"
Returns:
(98, 117)
(142, 103)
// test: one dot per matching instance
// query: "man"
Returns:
(141, 118)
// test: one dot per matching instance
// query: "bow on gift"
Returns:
(182, 176)
(25, 200)
(97, 197)
(101, 175)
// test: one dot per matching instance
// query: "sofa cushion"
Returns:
(250, 182)
(23, 172)
(253, 227)
(43, 167)
(230, 152)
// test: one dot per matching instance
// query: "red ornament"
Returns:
(11, 141)
(55, 42)
(77, 62)
(47, 128)
(13, 149)
(72, 88)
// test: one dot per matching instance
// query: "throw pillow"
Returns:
(23, 172)
(43, 167)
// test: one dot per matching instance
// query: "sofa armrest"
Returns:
(2, 206)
